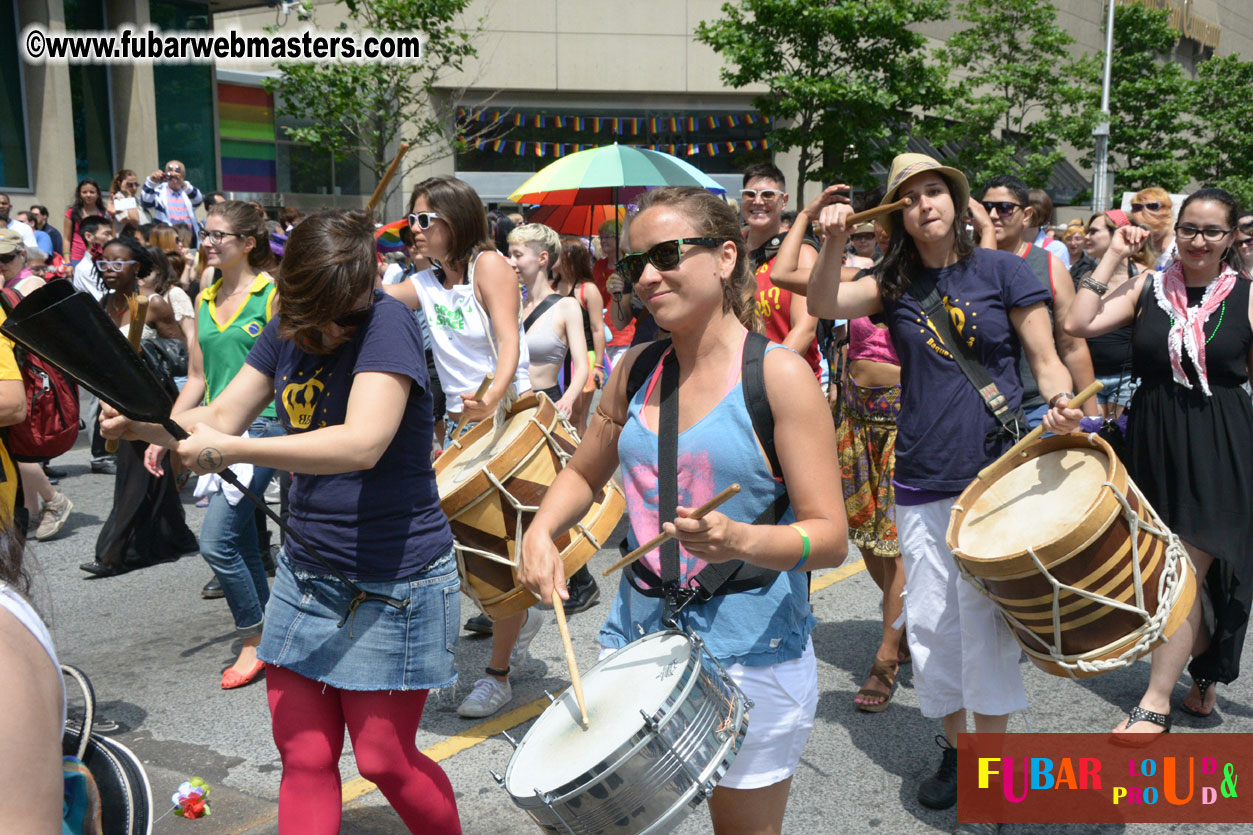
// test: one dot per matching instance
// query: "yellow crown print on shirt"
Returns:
(300, 399)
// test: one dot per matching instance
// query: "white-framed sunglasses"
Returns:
(422, 220)
(767, 194)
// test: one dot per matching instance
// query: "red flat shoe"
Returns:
(232, 679)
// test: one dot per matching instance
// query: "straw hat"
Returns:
(905, 166)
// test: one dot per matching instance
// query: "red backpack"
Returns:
(51, 424)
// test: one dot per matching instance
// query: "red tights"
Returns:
(309, 719)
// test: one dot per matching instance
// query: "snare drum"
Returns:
(1087, 576)
(665, 723)
(490, 484)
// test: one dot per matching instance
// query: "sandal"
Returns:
(1202, 685)
(1139, 714)
(885, 672)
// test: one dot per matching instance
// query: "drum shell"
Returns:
(1092, 553)
(482, 518)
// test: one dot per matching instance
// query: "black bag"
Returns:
(167, 358)
(125, 793)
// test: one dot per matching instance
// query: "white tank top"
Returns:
(16, 605)
(460, 339)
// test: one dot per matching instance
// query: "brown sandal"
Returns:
(885, 672)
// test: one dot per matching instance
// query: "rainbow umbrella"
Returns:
(574, 220)
(387, 238)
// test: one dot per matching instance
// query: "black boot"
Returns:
(583, 592)
(940, 791)
(212, 590)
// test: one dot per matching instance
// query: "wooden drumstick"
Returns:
(387, 178)
(134, 335)
(576, 682)
(1034, 435)
(478, 395)
(870, 214)
(699, 513)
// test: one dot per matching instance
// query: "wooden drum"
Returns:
(1085, 573)
(490, 485)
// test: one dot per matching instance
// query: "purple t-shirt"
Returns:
(378, 524)
(943, 430)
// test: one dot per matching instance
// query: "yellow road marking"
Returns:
(836, 575)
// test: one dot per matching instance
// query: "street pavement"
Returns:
(155, 652)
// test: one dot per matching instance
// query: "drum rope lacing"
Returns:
(1169, 587)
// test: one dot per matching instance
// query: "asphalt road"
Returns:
(155, 652)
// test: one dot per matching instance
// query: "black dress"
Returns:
(1191, 454)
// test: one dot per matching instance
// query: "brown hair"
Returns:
(329, 264)
(244, 219)
(711, 217)
(459, 206)
(115, 187)
(576, 260)
(164, 236)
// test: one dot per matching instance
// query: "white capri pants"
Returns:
(964, 654)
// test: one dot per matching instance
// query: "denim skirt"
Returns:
(380, 647)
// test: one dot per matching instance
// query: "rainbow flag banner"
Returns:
(246, 123)
(387, 237)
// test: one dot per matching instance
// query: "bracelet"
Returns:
(804, 544)
(1093, 285)
(1066, 394)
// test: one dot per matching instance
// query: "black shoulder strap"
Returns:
(644, 365)
(539, 310)
(924, 289)
(753, 382)
(668, 465)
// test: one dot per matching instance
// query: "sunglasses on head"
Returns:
(1003, 208)
(1152, 206)
(664, 256)
(422, 220)
(767, 194)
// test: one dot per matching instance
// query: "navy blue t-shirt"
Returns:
(942, 432)
(378, 524)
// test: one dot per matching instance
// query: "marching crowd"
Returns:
(923, 344)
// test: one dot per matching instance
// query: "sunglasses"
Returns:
(8, 257)
(664, 256)
(1002, 208)
(113, 266)
(862, 236)
(355, 318)
(767, 194)
(422, 220)
(1212, 235)
(1153, 206)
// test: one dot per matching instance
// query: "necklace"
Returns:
(1221, 311)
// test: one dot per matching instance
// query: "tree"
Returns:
(842, 77)
(1148, 99)
(1223, 156)
(1007, 112)
(361, 112)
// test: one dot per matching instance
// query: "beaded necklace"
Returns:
(1221, 310)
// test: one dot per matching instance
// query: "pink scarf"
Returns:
(1187, 331)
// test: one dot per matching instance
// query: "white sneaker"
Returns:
(518, 655)
(488, 696)
(53, 516)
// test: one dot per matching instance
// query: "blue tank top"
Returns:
(755, 628)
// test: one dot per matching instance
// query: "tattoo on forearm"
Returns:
(209, 459)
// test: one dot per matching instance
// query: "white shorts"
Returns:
(785, 700)
(964, 654)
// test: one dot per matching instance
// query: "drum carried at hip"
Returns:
(1085, 573)
(490, 484)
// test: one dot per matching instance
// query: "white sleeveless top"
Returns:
(460, 337)
(15, 604)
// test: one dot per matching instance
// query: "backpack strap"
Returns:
(645, 362)
(540, 310)
(753, 382)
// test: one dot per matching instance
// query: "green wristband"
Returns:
(805, 547)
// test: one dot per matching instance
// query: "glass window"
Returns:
(14, 163)
(89, 100)
(303, 170)
(184, 94)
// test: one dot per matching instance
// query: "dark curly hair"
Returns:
(138, 252)
(901, 262)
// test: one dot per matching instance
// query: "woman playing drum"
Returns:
(1189, 430)
(345, 366)
(690, 270)
(964, 656)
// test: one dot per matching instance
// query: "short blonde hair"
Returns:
(540, 238)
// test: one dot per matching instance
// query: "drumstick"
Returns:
(699, 513)
(1034, 435)
(387, 178)
(870, 214)
(576, 682)
(478, 395)
(134, 335)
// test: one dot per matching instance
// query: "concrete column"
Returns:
(49, 119)
(134, 98)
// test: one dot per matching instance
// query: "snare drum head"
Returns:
(474, 458)
(557, 750)
(1033, 504)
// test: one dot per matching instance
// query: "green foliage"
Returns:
(1014, 94)
(1224, 120)
(842, 77)
(363, 111)
(1148, 100)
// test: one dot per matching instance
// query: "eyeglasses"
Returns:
(113, 266)
(1002, 208)
(39, 269)
(8, 257)
(862, 236)
(664, 256)
(1189, 233)
(422, 220)
(355, 318)
(767, 194)
(217, 235)
(1152, 206)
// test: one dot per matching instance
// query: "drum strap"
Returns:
(540, 310)
(1013, 424)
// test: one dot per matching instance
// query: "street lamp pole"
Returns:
(1102, 187)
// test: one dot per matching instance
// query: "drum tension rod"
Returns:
(500, 781)
(506, 735)
(551, 697)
